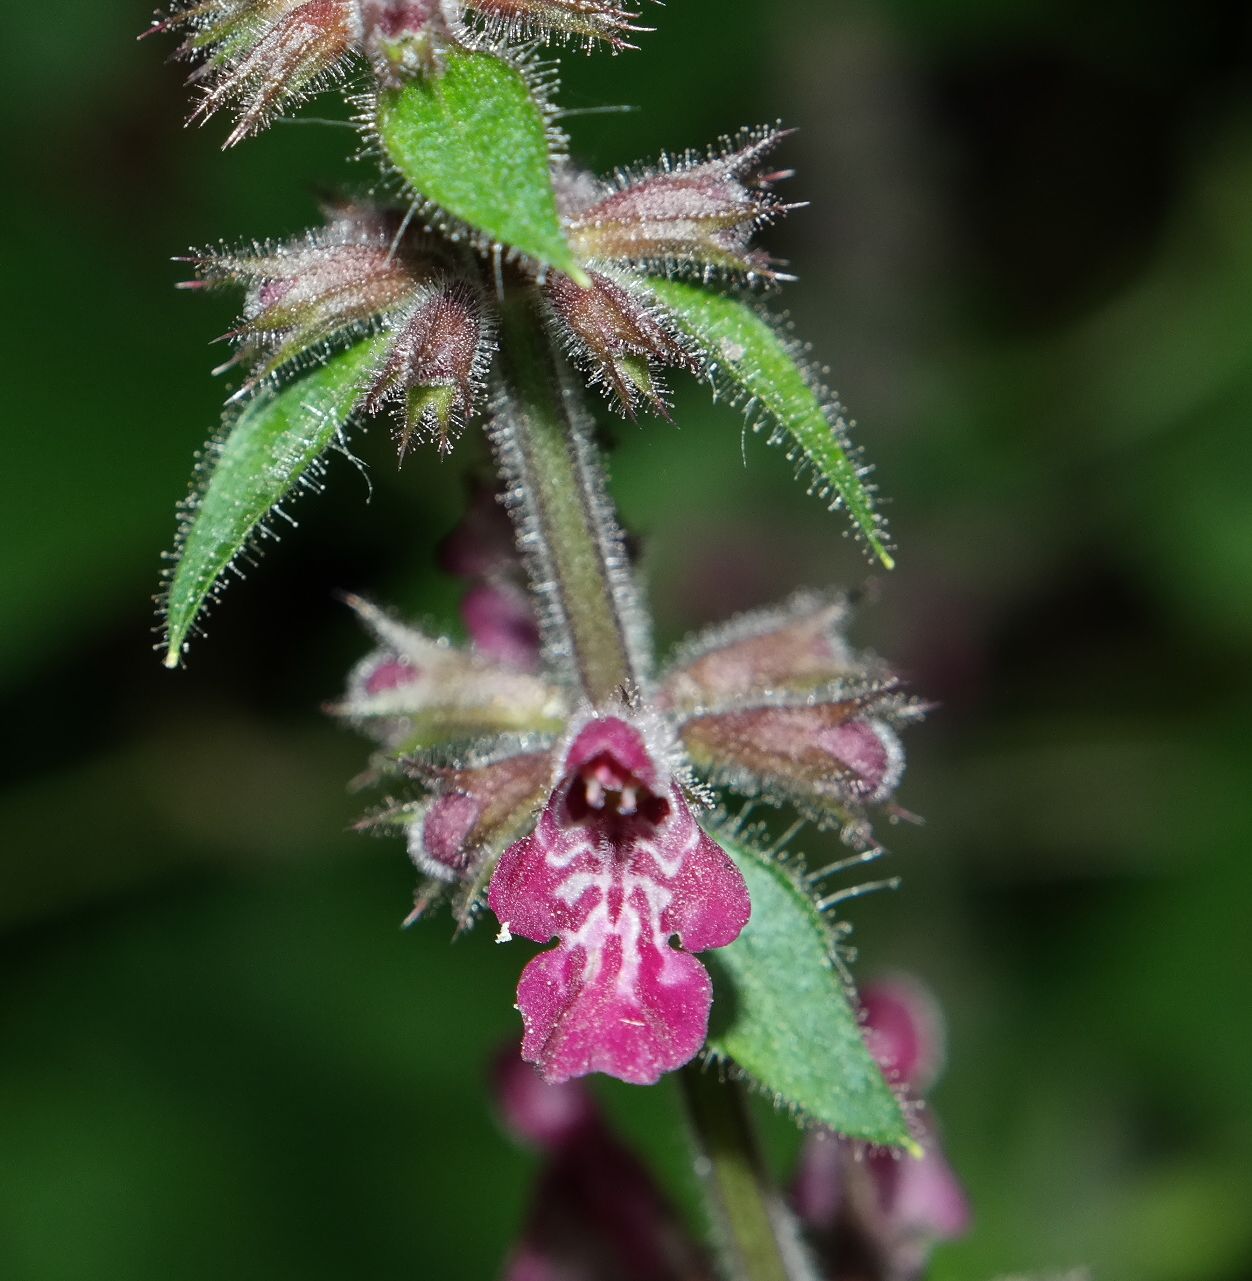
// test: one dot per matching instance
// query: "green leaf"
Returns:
(782, 1013)
(752, 356)
(474, 140)
(257, 461)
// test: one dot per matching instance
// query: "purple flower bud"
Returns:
(476, 810)
(829, 758)
(878, 1214)
(597, 1215)
(416, 691)
(583, 20)
(616, 867)
(401, 37)
(904, 1031)
(501, 623)
(261, 55)
(790, 650)
(695, 212)
(305, 293)
(434, 368)
(618, 337)
(482, 544)
(536, 1111)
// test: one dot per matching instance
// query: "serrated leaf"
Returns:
(256, 463)
(752, 356)
(781, 1011)
(473, 139)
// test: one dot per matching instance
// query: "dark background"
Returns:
(1028, 262)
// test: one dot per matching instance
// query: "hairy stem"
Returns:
(757, 1234)
(565, 522)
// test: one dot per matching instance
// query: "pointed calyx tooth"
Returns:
(618, 336)
(335, 281)
(433, 371)
(792, 649)
(415, 691)
(261, 55)
(585, 20)
(830, 758)
(476, 811)
(696, 212)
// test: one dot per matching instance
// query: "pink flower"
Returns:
(615, 869)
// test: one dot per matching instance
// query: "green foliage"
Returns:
(474, 140)
(782, 1011)
(750, 354)
(254, 465)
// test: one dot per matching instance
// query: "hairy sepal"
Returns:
(475, 142)
(745, 353)
(267, 452)
(784, 1012)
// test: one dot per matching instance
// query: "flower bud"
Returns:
(790, 650)
(261, 55)
(476, 811)
(904, 1031)
(415, 691)
(691, 213)
(501, 623)
(303, 294)
(830, 758)
(583, 20)
(433, 370)
(617, 336)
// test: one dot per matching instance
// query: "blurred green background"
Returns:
(1028, 263)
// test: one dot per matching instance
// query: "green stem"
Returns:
(565, 520)
(758, 1236)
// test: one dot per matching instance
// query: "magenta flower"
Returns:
(615, 869)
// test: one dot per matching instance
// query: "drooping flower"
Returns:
(615, 869)
(877, 1216)
(597, 1213)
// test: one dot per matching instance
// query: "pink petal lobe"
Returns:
(614, 870)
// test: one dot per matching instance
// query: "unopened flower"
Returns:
(618, 336)
(434, 368)
(587, 21)
(261, 55)
(776, 705)
(878, 1215)
(597, 1213)
(416, 691)
(615, 869)
(303, 294)
(695, 213)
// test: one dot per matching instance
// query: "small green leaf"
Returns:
(757, 361)
(474, 140)
(257, 461)
(782, 1013)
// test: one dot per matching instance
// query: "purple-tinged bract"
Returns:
(615, 869)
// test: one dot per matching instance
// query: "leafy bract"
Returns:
(749, 353)
(257, 461)
(473, 140)
(781, 1011)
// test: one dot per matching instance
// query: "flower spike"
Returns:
(616, 867)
